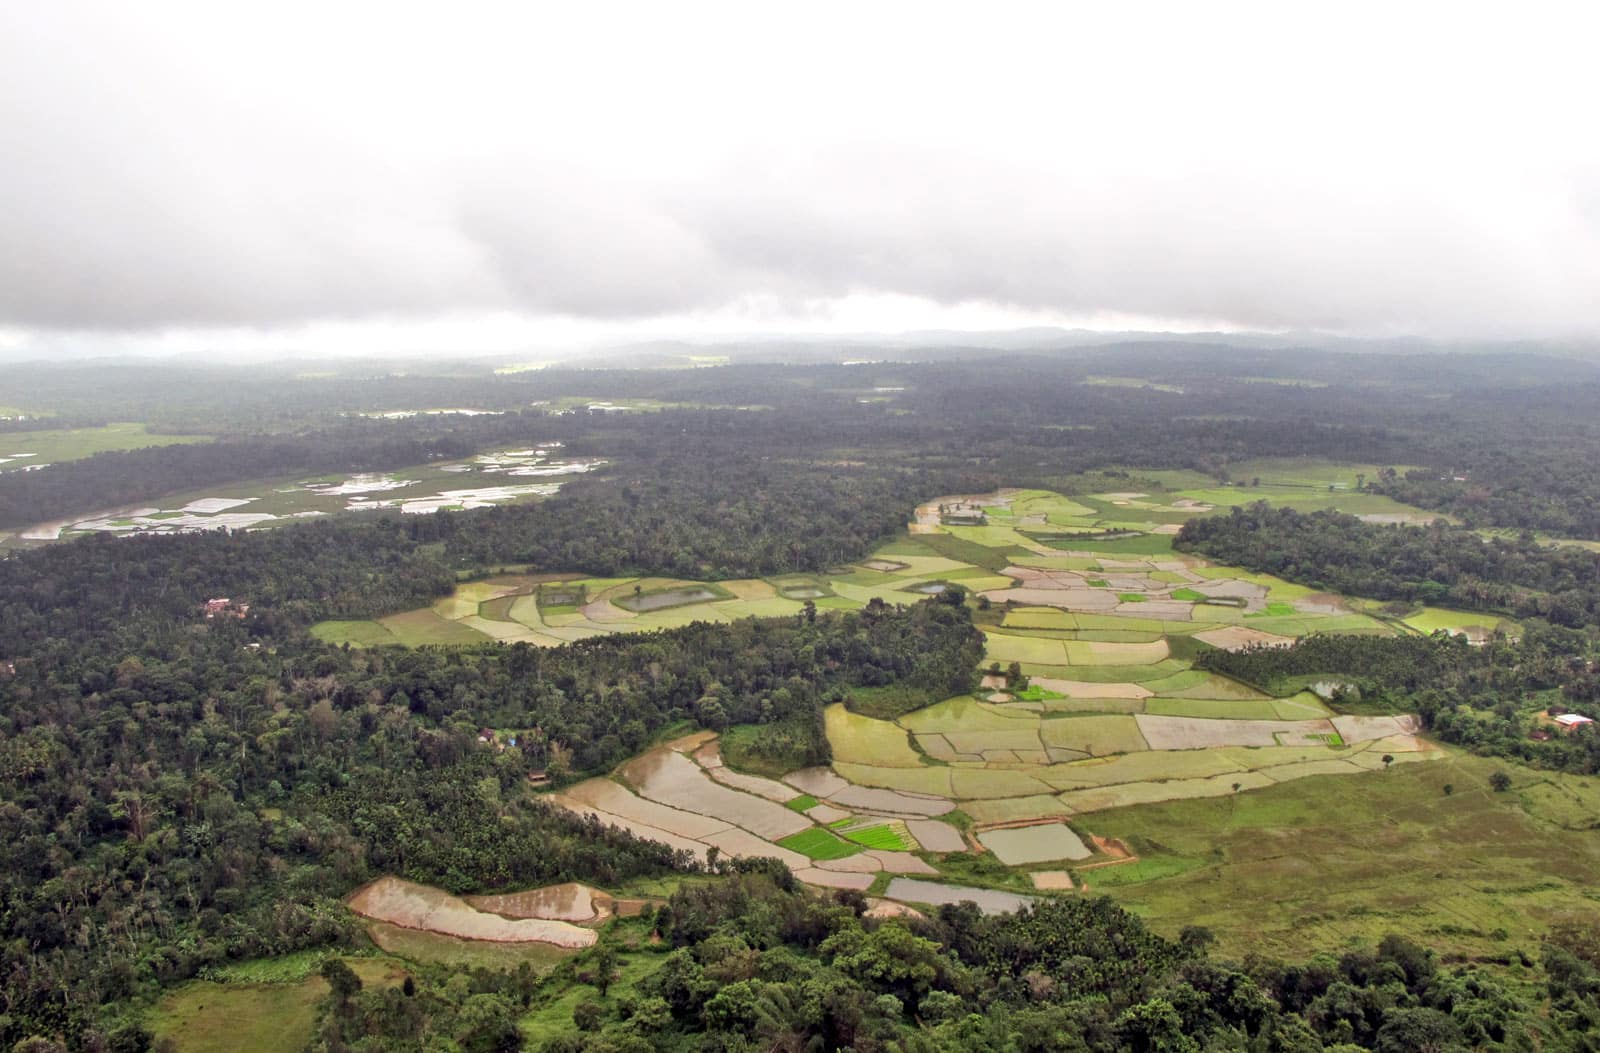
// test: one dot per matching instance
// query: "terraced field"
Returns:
(683, 795)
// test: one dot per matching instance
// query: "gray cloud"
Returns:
(187, 171)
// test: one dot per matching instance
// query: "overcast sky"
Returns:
(490, 177)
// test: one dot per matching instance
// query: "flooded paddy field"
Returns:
(489, 479)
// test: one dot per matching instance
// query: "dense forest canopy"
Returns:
(1495, 439)
(1438, 564)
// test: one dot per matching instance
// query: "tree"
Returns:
(1500, 782)
(1418, 1031)
(1153, 1027)
(341, 978)
(1197, 939)
(1388, 759)
(650, 1015)
(587, 1016)
(603, 968)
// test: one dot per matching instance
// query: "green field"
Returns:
(818, 843)
(1477, 623)
(354, 633)
(880, 836)
(1347, 860)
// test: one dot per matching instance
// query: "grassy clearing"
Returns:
(1476, 873)
(818, 843)
(354, 633)
(1432, 619)
(265, 1006)
(247, 1018)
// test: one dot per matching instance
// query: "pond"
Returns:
(671, 598)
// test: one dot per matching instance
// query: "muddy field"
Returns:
(412, 906)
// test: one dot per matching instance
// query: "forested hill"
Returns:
(1438, 564)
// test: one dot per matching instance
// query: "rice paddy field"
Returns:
(1085, 595)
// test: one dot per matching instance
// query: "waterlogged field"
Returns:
(683, 795)
(482, 481)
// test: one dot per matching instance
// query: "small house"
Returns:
(1569, 721)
